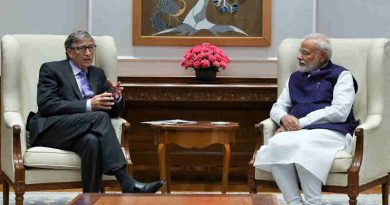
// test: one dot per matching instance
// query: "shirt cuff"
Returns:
(304, 121)
(88, 105)
(278, 118)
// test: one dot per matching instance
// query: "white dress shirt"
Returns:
(76, 70)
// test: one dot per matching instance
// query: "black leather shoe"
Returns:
(148, 187)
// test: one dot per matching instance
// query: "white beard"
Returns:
(308, 67)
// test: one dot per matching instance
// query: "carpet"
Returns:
(342, 199)
(63, 198)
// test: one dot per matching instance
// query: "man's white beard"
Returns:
(313, 65)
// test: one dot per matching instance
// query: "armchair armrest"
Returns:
(370, 137)
(12, 147)
(13, 118)
(265, 130)
(372, 122)
(122, 130)
(117, 124)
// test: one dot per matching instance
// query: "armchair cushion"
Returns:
(50, 158)
(341, 163)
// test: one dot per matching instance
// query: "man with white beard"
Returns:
(314, 112)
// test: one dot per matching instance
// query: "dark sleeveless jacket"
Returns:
(314, 91)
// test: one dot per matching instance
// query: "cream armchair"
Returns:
(369, 164)
(29, 169)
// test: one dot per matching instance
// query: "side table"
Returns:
(199, 135)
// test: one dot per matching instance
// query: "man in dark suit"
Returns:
(75, 106)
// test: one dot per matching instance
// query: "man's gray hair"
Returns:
(322, 41)
(74, 38)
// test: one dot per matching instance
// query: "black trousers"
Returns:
(92, 136)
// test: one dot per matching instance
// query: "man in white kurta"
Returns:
(303, 148)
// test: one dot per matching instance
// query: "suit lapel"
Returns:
(92, 77)
(71, 78)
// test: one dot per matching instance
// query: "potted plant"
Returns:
(206, 60)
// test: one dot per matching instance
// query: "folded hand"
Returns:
(290, 123)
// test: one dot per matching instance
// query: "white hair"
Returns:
(322, 41)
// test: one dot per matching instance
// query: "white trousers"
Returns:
(287, 177)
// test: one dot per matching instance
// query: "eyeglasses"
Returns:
(307, 53)
(83, 49)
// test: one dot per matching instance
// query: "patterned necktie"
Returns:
(85, 88)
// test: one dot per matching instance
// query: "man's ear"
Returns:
(69, 52)
(324, 56)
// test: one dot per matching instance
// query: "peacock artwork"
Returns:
(190, 17)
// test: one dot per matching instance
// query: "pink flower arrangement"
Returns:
(205, 57)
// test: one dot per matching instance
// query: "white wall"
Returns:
(42, 16)
(354, 19)
(290, 19)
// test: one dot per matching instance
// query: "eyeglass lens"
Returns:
(84, 48)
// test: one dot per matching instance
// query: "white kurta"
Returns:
(313, 149)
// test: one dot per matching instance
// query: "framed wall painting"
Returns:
(191, 22)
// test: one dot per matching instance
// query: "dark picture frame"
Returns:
(192, 22)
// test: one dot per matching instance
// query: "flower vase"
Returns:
(205, 75)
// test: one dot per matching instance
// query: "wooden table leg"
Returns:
(162, 157)
(168, 170)
(5, 193)
(226, 164)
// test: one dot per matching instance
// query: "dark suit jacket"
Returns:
(58, 94)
